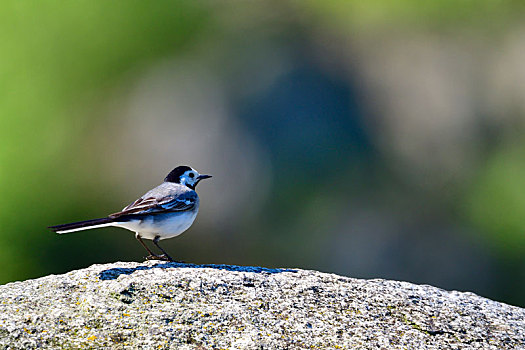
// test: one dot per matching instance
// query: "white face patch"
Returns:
(189, 178)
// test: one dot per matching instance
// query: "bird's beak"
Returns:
(202, 177)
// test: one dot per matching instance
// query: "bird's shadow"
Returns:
(111, 274)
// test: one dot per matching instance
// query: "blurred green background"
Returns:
(366, 138)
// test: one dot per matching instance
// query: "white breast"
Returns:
(163, 225)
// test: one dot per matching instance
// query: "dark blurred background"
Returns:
(366, 138)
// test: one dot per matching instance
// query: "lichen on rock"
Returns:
(187, 306)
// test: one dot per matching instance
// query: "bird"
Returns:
(164, 212)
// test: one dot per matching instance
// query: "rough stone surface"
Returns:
(160, 305)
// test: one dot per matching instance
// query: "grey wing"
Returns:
(151, 205)
(183, 202)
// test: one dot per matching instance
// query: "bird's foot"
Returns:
(158, 257)
(163, 257)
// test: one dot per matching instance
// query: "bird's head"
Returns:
(185, 175)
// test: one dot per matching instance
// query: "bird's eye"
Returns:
(192, 175)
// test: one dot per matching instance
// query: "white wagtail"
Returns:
(163, 212)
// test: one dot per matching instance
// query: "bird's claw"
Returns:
(163, 257)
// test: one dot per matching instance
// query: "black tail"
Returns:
(80, 225)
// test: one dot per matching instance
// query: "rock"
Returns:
(185, 306)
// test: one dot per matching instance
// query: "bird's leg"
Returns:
(166, 255)
(151, 256)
